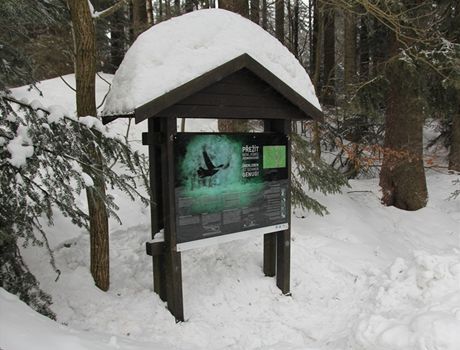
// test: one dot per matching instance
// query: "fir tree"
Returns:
(45, 166)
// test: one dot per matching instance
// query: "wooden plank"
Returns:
(283, 260)
(194, 111)
(269, 266)
(155, 248)
(156, 209)
(172, 257)
(283, 238)
(212, 99)
(223, 87)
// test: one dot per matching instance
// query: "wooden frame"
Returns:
(239, 89)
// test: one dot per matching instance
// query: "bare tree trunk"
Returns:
(264, 15)
(279, 20)
(85, 72)
(402, 177)
(117, 40)
(313, 33)
(255, 8)
(319, 23)
(454, 153)
(295, 29)
(176, 7)
(238, 6)
(139, 17)
(168, 9)
(350, 53)
(329, 55)
(364, 49)
(149, 8)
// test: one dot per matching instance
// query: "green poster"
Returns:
(228, 183)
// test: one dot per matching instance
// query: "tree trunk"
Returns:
(364, 49)
(264, 15)
(295, 29)
(176, 7)
(313, 18)
(454, 153)
(238, 6)
(279, 20)
(349, 53)
(319, 24)
(140, 23)
(117, 39)
(329, 56)
(149, 8)
(402, 177)
(85, 72)
(255, 7)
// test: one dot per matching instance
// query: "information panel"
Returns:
(229, 184)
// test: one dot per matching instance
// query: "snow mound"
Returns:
(416, 306)
(23, 328)
(176, 51)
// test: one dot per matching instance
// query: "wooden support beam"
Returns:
(277, 245)
(156, 208)
(155, 248)
(283, 238)
(172, 257)
(270, 254)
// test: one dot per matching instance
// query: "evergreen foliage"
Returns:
(20, 22)
(42, 157)
(316, 174)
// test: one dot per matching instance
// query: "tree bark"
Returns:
(149, 8)
(349, 53)
(255, 8)
(402, 177)
(295, 29)
(238, 6)
(454, 153)
(85, 72)
(329, 56)
(264, 15)
(279, 20)
(140, 22)
(176, 7)
(117, 39)
(364, 49)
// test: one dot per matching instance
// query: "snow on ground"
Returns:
(183, 48)
(363, 277)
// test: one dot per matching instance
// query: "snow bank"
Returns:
(416, 305)
(21, 328)
(183, 48)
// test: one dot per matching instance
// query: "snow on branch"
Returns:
(108, 11)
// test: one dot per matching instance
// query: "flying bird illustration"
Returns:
(211, 169)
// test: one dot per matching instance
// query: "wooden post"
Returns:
(269, 238)
(153, 140)
(172, 257)
(277, 245)
(283, 238)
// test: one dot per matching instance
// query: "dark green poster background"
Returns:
(227, 183)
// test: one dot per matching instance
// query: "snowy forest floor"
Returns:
(363, 277)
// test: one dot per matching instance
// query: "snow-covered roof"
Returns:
(181, 49)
